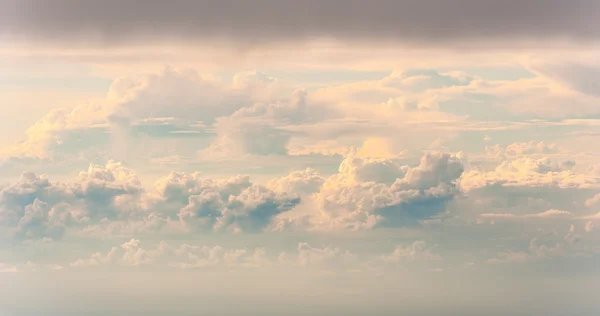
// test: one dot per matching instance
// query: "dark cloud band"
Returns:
(425, 21)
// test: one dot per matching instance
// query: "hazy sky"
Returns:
(299, 157)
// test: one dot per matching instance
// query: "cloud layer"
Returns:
(431, 22)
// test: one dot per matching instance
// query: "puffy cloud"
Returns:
(369, 192)
(187, 256)
(256, 114)
(63, 130)
(519, 149)
(129, 254)
(261, 128)
(516, 150)
(110, 198)
(305, 256)
(182, 94)
(529, 172)
(169, 103)
(523, 190)
(232, 204)
(34, 207)
(305, 181)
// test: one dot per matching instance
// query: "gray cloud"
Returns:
(428, 21)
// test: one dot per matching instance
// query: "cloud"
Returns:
(593, 201)
(187, 256)
(417, 251)
(541, 248)
(546, 214)
(305, 181)
(592, 217)
(326, 256)
(233, 204)
(531, 149)
(111, 198)
(259, 115)
(172, 103)
(580, 77)
(369, 192)
(519, 149)
(34, 207)
(329, 258)
(528, 172)
(430, 22)
(63, 130)
(589, 227)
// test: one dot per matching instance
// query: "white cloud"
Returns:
(529, 172)
(305, 181)
(34, 207)
(112, 196)
(367, 192)
(233, 204)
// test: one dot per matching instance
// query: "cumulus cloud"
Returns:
(233, 204)
(520, 149)
(305, 181)
(528, 172)
(111, 197)
(61, 129)
(326, 258)
(34, 207)
(259, 115)
(529, 150)
(370, 192)
(186, 256)
(430, 22)
(171, 103)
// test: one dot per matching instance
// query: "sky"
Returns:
(335, 157)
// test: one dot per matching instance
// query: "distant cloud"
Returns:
(546, 214)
